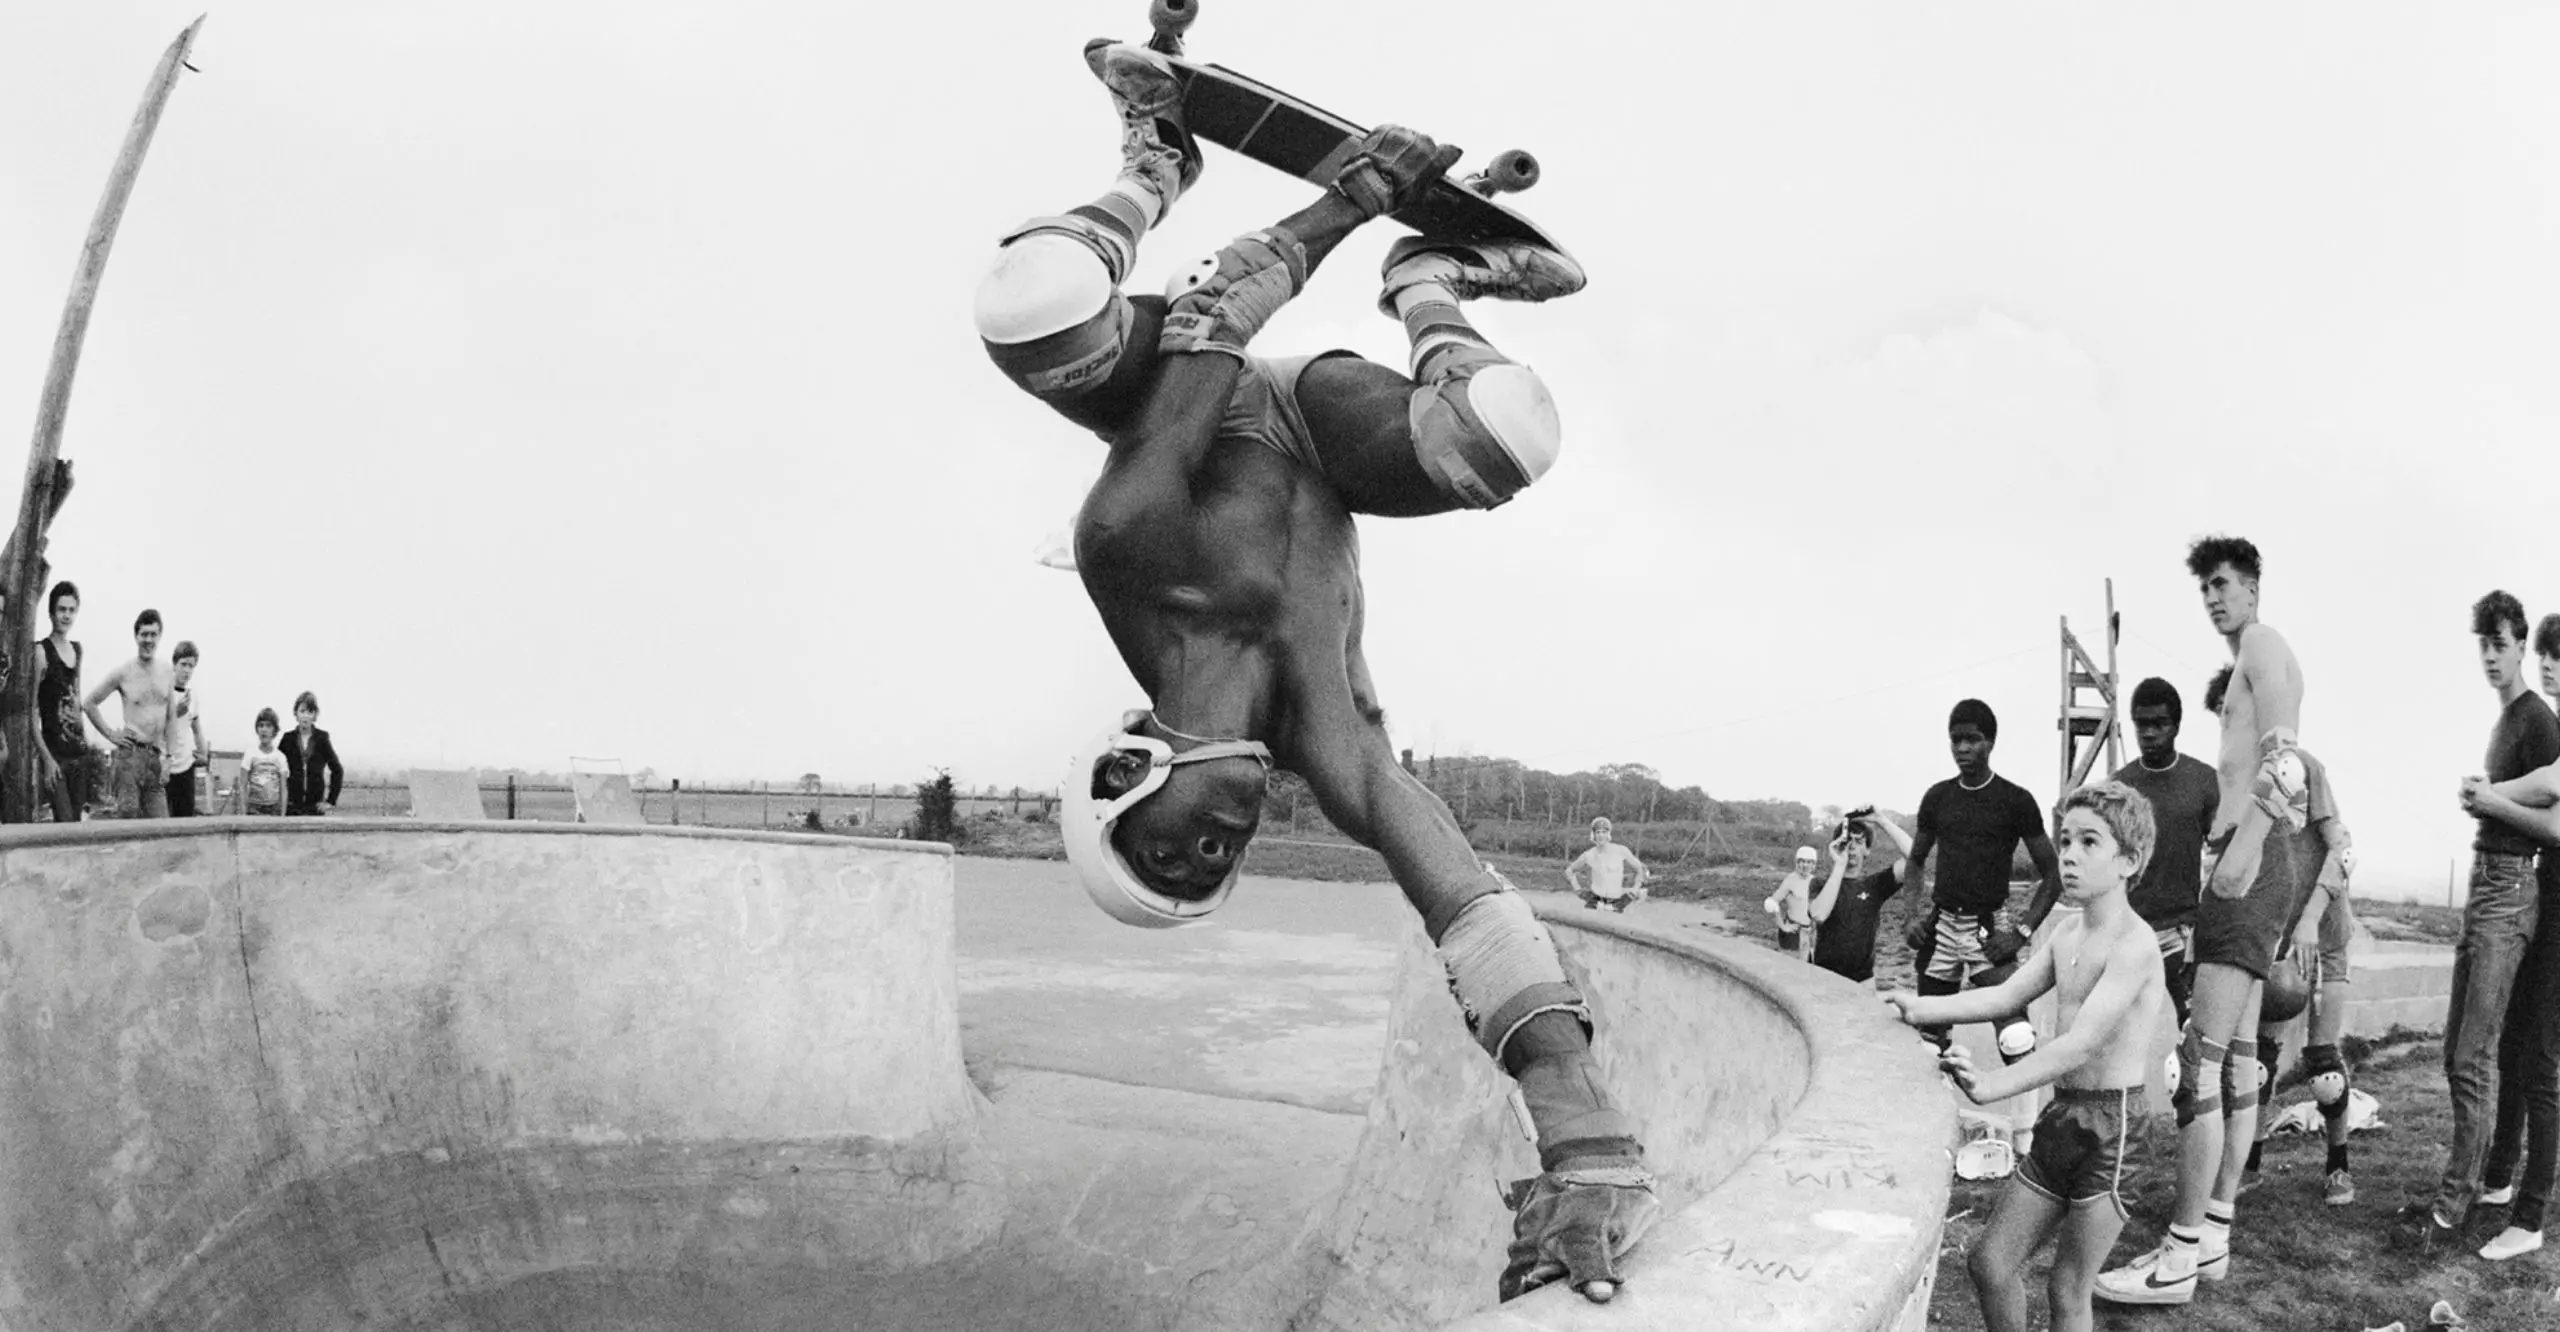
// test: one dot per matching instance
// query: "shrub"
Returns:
(937, 817)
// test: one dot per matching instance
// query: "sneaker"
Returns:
(1154, 145)
(1502, 270)
(2342, 1188)
(2213, 1255)
(2499, 1196)
(2512, 1242)
(2154, 1278)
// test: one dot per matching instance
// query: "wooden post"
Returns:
(48, 481)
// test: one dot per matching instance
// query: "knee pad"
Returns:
(1485, 431)
(2328, 1078)
(2017, 1040)
(1504, 970)
(2244, 1078)
(2199, 1088)
(1049, 309)
(1217, 304)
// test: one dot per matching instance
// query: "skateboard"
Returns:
(1311, 143)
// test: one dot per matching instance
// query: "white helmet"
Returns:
(1085, 819)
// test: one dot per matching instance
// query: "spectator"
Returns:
(1792, 903)
(62, 751)
(1844, 914)
(2498, 920)
(186, 746)
(1606, 863)
(306, 752)
(1974, 822)
(2529, 1049)
(2184, 794)
(263, 772)
(139, 779)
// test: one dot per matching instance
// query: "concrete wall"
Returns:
(304, 1076)
(1801, 1139)
(282, 1075)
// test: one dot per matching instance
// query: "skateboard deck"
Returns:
(1259, 121)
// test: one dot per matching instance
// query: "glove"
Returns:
(1578, 1223)
(1219, 303)
(1391, 169)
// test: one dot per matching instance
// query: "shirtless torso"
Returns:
(2082, 950)
(2265, 696)
(143, 688)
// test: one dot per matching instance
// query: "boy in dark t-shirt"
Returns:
(1844, 912)
(1975, 822)
(2183, 792)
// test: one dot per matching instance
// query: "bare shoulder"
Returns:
(2129, 941)
(2262, 646)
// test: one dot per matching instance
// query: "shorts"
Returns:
(1957, 952)
(1263, 407)
(2246, 932)
(1594, 901)
(2081, 1142)
(1791, 942)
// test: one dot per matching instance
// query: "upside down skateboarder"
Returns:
(1219, 547)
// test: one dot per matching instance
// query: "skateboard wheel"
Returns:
(1171, 17)
(1511, 172)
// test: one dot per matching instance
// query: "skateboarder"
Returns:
(1219, 548)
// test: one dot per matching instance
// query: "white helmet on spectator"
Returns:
(1109, 777)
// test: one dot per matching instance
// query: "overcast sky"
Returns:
(542, 378)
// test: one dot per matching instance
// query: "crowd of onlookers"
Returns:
(155, 751)
(2234, 876)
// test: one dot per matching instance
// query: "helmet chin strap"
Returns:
(1189, 748)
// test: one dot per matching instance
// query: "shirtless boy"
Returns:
(2106, 964)
(139, 778)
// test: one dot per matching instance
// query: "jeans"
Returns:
(68, 792)
(2497, 926)
(139, 782)
(2529, 1079)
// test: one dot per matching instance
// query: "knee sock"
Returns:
(1442, 338)
(1123, 214)
(2337, 1158)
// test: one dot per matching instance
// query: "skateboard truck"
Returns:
(1507, 173)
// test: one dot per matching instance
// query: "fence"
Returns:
(870, 811)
